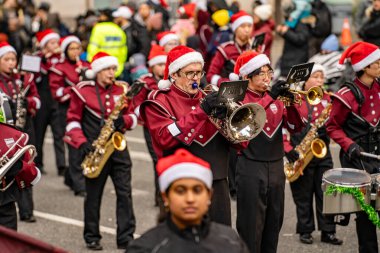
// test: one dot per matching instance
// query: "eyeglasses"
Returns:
(191, 74)
(268, 74)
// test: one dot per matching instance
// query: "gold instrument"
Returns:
(313, 96)
(309, 147)
(242, 122)
(108, 139)
(7, 162)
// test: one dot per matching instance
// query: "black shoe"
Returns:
(80, 193)
(122, 246)
(330, 238)
(29, 219)
(306, 238)
(95, 245)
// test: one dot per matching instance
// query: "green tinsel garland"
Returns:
(359, 196)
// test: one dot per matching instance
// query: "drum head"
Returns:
(347, 177)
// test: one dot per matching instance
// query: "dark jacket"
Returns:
(208, 237)
(295, 47)
(370, 30)
(141, 36)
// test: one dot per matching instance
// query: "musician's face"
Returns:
(52, 46)
(182, 80)
(373, 70)
(315, 79)
(260, 82)
(170, 45)
(73, 51)
(106, 76)
(7, 62)
(158, 70)
(243, 32)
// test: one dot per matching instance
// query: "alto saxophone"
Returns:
(107, 141)
(309, 147)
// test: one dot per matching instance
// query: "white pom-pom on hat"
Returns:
(234, 77)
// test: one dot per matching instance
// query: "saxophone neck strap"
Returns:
(102, 109)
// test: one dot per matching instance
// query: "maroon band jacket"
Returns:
(84, 115)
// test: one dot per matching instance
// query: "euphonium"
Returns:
(242, 122)
(309, 147)
(107, 141)
(19, 150)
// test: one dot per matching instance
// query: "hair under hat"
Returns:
(248, 62)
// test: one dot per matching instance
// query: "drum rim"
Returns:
(349, 185)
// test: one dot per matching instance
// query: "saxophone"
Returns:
(309, 147)
(107, 141)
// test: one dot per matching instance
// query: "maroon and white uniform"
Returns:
(85, 113)
(223, 62)
(63, 76)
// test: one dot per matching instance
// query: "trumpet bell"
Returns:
(246, 122)
(314, 95)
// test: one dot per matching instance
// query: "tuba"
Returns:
(242, 122)
(108, 139)
(7, 161)
(309, 147)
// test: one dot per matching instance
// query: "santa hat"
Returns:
(188, 9)
(248, 62)
(182, 164)
(46, 35)
(165, 37)
(99, 62)
(6, 48)
(65, 41)
(361, 55)
(157, 55)
(263, 11)
(179, 57)
(318, 67)
(240, 18)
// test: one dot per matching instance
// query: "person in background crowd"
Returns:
(48, 114)
(360, 14)
(23, 95)
(91, 104)
(370, 30)
(308, 186)
(354, 125)
(63, 76)
(122, 17)
(141, 34)
(186, 187)
(168, 40)
(221, 31)
(44, 19)
(108, 37)
(263, 23)
(161, 6)
(260, 178)
(184, 26)
(299, 9)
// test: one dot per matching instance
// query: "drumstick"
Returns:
(370, 155)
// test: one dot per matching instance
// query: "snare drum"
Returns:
(345, 203)
(376, 196)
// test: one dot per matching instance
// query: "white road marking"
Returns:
(69, 221)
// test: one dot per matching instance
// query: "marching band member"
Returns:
(354, 125)
(48, 114)
(20, 176)
(168, 40)
(176, 118)
(63, 76)
(260, 175)
(156, 61)
(91, 103)
(223, 62)
(15, 85)
(185, 184)
(309, 184)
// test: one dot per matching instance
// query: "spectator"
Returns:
(122, 17)
(299, 9)
(360, 16)
(140, 30)
(222, 32)
(160, 6)
(370, 31)
(263, 23)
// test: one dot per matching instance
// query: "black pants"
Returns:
(304, 189)
(220, 208)
(74, 175)
(49, 114)
(260, 203)
(8, 215)
(365, 229)
(232, 171)
(148, 140)
(118, 168)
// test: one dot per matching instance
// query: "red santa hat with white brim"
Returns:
(44, 36)
(99, 62)
(248, 62)
(6, 48)
(157, 55)
(178, 58)
(240, 18)
(361, 55)
(181, 165)
(66, 41)
(165, 37)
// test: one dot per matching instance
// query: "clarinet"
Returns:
(21, 110)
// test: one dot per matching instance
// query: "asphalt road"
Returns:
(59, 213)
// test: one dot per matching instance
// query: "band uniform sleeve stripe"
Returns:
(173, 129)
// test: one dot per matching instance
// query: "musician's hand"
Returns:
(322, 132)
(220, 112)
(119, 123)
(292, 156)
(86, 148)
(354, 152)
(278, 88)
(210, 102)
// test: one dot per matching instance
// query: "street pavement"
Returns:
(59, 213)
